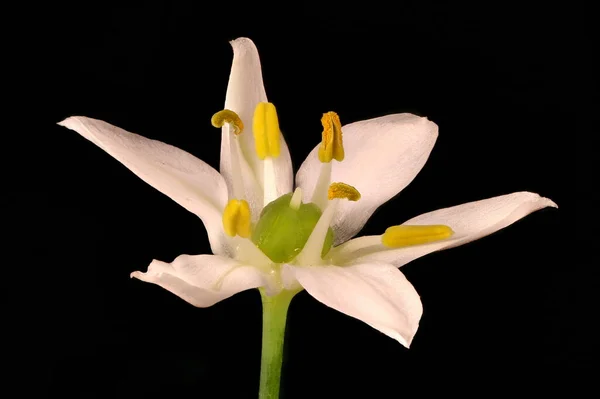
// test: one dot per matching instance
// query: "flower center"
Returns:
(287, 230)
(285, 226)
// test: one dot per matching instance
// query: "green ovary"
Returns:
(282, 231)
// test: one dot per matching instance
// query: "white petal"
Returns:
(244, 91)
(469, 221)
(383, 155)
(202, 280)
(179, 175)
(376, 293)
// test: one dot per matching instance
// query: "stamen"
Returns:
(311, 253)
(236, 218)
(404, 236)
(236, 127)
(265, 126)
(331, 147)
(320, 194)
(228, 116)
(296, 200)
(343, 190)
(331, 143)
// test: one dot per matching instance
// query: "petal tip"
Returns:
(405, 341)
(429, 125)
(75, 122)
(551, 203)
(543, 201)
(242, 44)
(67, 122)
(136, 274)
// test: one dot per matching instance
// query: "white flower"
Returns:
(378, 158)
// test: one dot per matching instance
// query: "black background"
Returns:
(509, 87)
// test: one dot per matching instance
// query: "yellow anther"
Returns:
(236, 218)
(332, 146)
(266, 130)
(404, 236)
(228, 116)
(343, 190)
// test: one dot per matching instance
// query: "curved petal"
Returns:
(202, 280)
(244, 91)
(469, 221)
(383, 155)
(376, 293)
(179, 175)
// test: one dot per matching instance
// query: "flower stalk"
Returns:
(274, 318)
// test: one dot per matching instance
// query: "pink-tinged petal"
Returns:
(244, 91)
(376, 293)
(179, 175)
(383, 155)
(202, 280)
(469, 222)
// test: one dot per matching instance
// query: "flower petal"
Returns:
(469, 221)
(383, 155)
(376, 293)
(244, 91)
(179, 175)
(202, 280)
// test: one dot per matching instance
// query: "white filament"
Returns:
(320, 194)
(311, 253)
(296, 200)
(269, 181)
(236, 170)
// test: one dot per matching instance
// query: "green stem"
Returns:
(274, 316)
